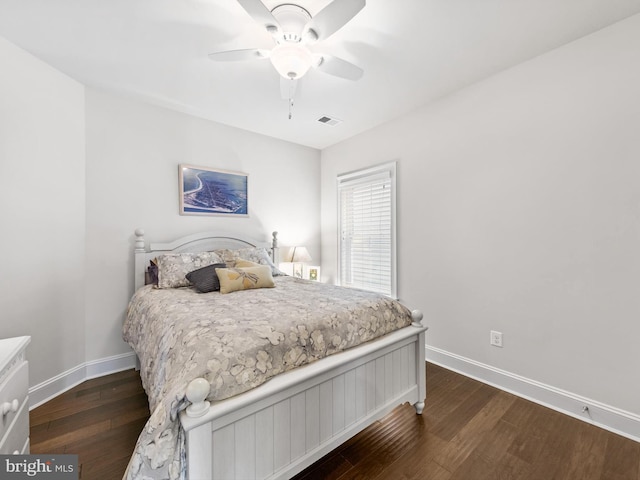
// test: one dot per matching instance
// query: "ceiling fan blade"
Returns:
(261, 14)
(288, 88)
(339, 68)
(240, 55)
(331, 19)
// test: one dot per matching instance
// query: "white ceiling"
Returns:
(412, 52)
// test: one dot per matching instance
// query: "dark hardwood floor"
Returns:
(99, 420)
(468, 431)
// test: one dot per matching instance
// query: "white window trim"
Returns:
(389, 169)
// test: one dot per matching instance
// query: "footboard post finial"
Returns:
(417, 316)
(139, 240)
(197, 392)
(274, 242)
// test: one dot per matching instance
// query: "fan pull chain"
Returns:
(291, 94)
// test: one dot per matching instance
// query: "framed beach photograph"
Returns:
(207, 191)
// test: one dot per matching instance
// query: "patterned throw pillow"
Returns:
(257, 255)
(242, 263)
(205, 279)
(234, 279)
(173, 267)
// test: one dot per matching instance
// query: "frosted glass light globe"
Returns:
(291, 60)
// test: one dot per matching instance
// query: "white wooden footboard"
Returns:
(283, 426)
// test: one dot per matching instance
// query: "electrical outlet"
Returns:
(496, 338)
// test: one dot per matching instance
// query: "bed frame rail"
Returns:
(283, 426)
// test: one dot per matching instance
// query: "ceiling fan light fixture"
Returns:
(291, 60)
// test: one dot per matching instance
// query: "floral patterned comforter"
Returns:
(236, 341)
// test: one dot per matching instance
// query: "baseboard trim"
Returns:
(599, 414)
(45, 391)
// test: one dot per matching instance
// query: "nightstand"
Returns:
(14, 399)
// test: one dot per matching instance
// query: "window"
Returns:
(367, 244)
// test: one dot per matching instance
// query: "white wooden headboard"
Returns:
(197, 242)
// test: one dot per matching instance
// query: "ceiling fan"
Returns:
(294, 30)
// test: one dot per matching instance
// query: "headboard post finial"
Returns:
(275, 254)
(139, 240)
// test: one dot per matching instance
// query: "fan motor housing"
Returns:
(292, 18)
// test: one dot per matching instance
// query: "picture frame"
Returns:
(313, 273)
(210, 191)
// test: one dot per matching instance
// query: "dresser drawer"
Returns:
(13, 393)
(17, 434)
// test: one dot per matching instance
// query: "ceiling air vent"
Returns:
(329, 121)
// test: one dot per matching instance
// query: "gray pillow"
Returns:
(205, 279)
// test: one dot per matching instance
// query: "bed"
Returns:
(264, 415)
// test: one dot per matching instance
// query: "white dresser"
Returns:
(14, 404)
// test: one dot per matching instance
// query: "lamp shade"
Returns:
(300, 254)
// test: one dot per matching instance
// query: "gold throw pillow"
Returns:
(234, 279)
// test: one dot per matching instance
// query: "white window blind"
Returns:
(366, 200)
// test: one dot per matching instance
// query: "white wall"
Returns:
(133, 153)
(42, 211)
(519, 211)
